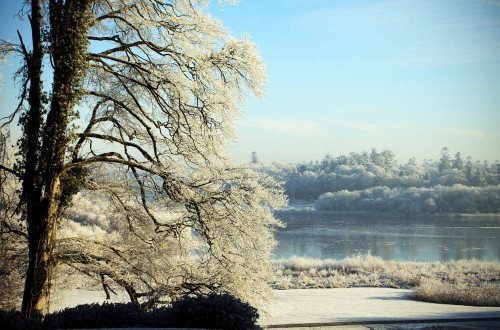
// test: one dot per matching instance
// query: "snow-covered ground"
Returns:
(72, 298)
(308, 306)
(362, 304)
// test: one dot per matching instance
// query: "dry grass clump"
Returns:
(484, 294)
(356, 271)
(370, 271)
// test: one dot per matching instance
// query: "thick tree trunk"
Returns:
(42, 185)
(41, 234)
(31, 145)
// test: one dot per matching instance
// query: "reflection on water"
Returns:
(390, 236)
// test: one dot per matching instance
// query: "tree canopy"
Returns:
(132, 112)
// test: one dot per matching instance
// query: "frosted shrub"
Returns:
(484, 294)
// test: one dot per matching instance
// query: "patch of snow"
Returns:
(304, 306)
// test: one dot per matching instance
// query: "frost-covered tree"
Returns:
(458, 163)
(158, 85)
(156, 265)
(444, 161)
(12, 232)
(254, 159)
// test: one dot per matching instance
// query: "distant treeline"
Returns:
(376, 182)
(457, 199)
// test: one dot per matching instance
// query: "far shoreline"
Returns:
(309, 207)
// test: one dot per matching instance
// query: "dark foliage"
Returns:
(14, 320)
(158, 318)
(72, 181)
(214, 311)
(96, 316)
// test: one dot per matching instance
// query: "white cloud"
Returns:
(350, 14)
(412, 33)
(370, 128)
(359, 111)
(292, 127)
(452, 55)
(465, 132)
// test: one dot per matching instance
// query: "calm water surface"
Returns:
(317, 234)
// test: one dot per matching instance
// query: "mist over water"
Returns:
(391, 236)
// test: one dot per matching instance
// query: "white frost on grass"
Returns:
(464, 282)
(371, 271)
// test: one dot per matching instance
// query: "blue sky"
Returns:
(348, 76)
(409, 76)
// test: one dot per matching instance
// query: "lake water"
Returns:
(317, 234)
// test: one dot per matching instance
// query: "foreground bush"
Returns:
(93, 316)
(445, 293)
(14, 320)
(214, 311)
